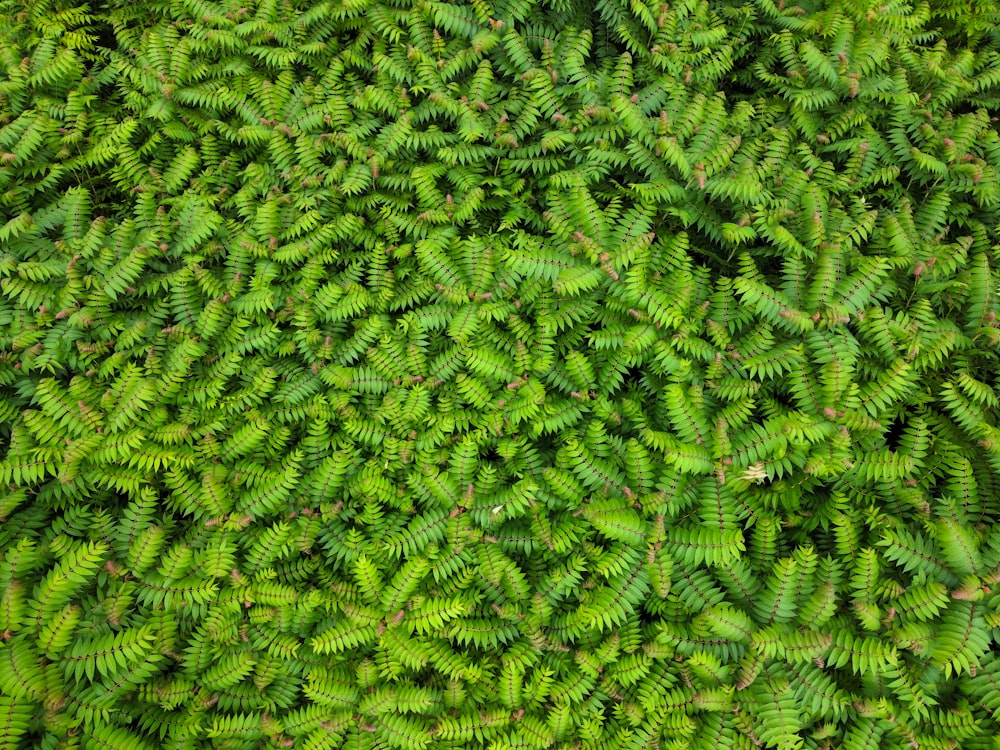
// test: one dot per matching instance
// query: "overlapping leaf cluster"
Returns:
(499, 374)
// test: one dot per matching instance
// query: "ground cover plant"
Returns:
(520, 374)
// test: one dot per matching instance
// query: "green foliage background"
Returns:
(525, 374)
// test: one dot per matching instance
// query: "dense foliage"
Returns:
(499, 374)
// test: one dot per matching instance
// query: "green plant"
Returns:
(503, 375)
